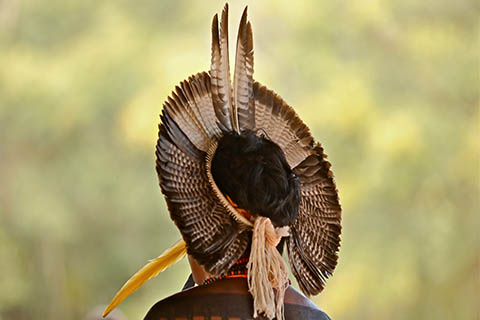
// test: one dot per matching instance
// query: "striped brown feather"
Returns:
(234, 251)
(191, 108)
(198, 89)
(315, 239)
(281, 124)
(207, 228)
(243, 76)
(220, 73)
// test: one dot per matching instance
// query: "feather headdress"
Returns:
(194, 118)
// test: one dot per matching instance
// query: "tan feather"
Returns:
(243, 76)
(220, 73)
(149, 271)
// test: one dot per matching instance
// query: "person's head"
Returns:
(254, 173)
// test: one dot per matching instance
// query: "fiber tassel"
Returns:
(267, 272)
(149, 271)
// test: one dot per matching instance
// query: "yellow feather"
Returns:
(149, 271)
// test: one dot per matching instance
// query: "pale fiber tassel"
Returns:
(150, 270)
(267, 272)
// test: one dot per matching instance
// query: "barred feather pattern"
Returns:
(315, 234)
(281, 124)
(213, 237)
(243, 76)
(190, 107)
(220, 73)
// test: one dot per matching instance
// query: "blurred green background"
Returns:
(390, 88)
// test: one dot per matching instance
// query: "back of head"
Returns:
(254, 173)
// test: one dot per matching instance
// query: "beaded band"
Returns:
(238, 270)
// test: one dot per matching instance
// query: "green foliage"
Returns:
(390, 88)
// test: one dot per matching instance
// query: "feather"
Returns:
(199, 101)
(178, 137)
(220, 73)
(243, 76)
(315, 240)
(280, 123)
(206, 226)
(190, 107)
(149, 271)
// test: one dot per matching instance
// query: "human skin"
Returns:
(198, 272)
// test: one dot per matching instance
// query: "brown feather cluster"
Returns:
(195, 117)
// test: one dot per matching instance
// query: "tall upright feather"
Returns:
(220, 72)
(149, 271)
(243, 76)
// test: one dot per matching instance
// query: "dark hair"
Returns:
(254, 173)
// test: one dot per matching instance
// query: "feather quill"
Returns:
(149, 271)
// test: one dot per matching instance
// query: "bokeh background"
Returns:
(390, 88)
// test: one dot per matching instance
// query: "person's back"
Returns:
(227, 299)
